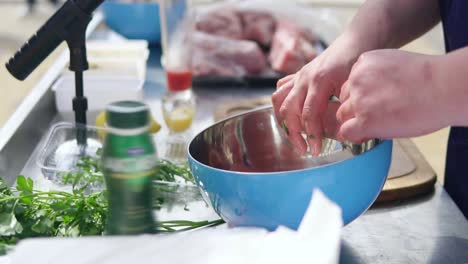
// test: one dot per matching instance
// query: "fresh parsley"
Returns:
(26, 212)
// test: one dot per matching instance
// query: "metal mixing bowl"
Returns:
(250, 174)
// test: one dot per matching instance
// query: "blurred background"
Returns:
(21, 18)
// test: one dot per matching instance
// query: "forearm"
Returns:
(383, 24)
(451, 77)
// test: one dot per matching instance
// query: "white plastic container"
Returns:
(117, 67)
(117, 71)
(121, 48)
(118, 58)
(100, 91)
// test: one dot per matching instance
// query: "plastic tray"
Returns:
(60, 155)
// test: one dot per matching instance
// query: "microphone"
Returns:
(67, 24)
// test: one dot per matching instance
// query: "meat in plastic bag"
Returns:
(215, 55)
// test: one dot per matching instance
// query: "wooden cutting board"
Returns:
(401, 163)
(419, 181)
(410, 174)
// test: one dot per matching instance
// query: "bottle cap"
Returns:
(179, 80)
(127, 115)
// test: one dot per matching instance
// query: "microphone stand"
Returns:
(68, 24)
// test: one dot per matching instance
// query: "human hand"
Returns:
(392, 94)
(302, 100)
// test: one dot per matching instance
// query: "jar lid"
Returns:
(127, 115)
(179, 80)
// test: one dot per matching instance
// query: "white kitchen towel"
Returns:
(316, 241)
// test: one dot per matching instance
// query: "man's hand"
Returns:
(301, 100)
(391, 94)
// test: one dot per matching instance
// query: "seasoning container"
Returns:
(178, 108)
(129, 164)
(178, 103)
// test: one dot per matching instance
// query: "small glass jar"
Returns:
(178, 104)
(178, 108)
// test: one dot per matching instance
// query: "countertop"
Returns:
(17, 26)
(429, 229)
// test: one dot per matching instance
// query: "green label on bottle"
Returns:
(129, 183)
(130, 165)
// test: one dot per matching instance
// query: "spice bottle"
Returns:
(129, 163)
(178, 107)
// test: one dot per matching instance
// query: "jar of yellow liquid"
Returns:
(178, 107)
(180, 118)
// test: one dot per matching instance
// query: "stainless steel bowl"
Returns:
(254, 142)
(252, 175)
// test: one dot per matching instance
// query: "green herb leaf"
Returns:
(24, 185)
(43, 225)
(20, 209)
(32, 213)
(4, 189)
(6, 247)
(9, 225)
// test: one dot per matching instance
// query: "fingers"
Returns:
(284, 80)
(298, 141)
(352, 130)
(278, 97)
(314, 107)
(283, 103)
(345, 112)
(345, 90)
(351, 127)
(294, 131)
(291, 110)
(330, 123)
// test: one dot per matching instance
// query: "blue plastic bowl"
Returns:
(133, 20)
(248, 172)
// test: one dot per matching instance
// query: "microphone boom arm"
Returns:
(68, 24)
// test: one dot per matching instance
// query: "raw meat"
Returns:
(228, 40)
(222, 22)
(228, 22)
(219, 56)
(292, 48)
(204, 64)
(297, 30)
(258, 26)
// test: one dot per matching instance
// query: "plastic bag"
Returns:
(235, 22)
